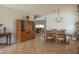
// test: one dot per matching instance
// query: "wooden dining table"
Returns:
(8, 37)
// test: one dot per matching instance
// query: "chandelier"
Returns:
(59, 18)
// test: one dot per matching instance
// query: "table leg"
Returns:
(10, 40)
(6, 40)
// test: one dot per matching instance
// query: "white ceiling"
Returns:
(41, 9)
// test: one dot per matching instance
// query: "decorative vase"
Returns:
(4, 29)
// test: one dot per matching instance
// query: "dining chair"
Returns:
(50, 35)
(61, 36)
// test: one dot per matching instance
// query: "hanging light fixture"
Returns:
(59, 18)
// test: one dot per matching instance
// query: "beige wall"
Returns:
(8, 18)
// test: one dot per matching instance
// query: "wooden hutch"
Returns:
(24, 30)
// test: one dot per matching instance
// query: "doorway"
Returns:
(40, 26)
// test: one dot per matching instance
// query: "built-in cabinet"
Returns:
(24, 30)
